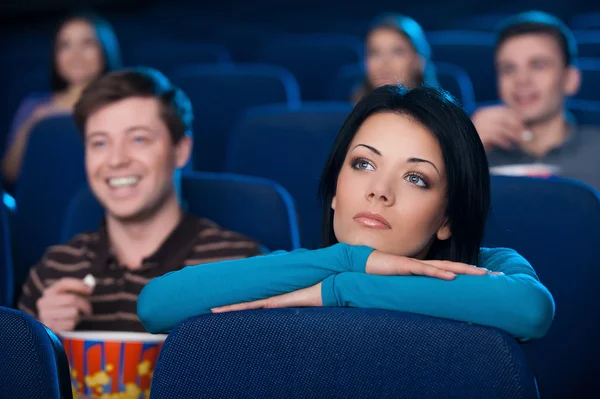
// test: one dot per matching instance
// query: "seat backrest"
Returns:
(219, 95)
(555, 225)
(588, 43)
(347, 81)
(587, 20)
(487, 22)
(590, 75)
(23, 79)
(6, 263)
(338, 353)
(457, 82)
(52, 172)
(314, 59)
(34, 363)
(258, 208)
(584, 112)
(169, 55)
(472, 51)
(290, 146)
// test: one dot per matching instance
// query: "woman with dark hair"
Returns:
(406, 192)
(85, 47)
(396, 52)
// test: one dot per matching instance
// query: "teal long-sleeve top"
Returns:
(515, 302)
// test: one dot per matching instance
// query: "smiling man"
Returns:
(536, 69)
(136, 128)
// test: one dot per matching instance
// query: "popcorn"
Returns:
(99, 382)
(97, 379)
(527, 136)
(144, 368)
(90, 281)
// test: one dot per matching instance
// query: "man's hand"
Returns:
(499, 127)
(62, 304)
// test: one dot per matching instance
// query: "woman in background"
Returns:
(84, 48)
(406, 193)
(397, 52)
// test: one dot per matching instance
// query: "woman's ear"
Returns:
(444, 232)
(333, 203)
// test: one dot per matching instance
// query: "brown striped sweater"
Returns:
(114, 299)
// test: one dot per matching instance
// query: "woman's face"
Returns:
(391, 59)
(391, 190)
(79, 56)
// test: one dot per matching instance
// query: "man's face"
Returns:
(533, 79)
(130, 157)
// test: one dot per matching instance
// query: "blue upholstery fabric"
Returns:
(168, 55)
(6, 264)
(348, 79)
(584, 112)
(587, 20)
(34, 364)
(474, 52)
(52, 172)
(258, 208)
(457, 82)
(486, 22)
(590, 75)
(338, 353)
(588, 43)
(314, 59)
(220, 93)
(555, 224)
(290, 146)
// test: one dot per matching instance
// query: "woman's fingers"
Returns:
(457, 267)
(393, 265)
(240, 306)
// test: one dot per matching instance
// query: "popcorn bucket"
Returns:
(111, 365)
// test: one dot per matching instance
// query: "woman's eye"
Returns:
(416, 180)
(362, 164)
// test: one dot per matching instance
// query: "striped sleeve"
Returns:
(32, 291)
(59, 261)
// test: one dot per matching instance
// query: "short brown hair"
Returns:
(538, 22)
(175, 106)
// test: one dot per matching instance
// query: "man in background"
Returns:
(531, 133)
(136, 128)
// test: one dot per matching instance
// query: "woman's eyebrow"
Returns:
(372, 149)
(420, 160)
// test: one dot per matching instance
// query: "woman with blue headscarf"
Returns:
(396, 52)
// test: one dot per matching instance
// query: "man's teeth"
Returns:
(117, 182)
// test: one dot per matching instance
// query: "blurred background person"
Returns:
(396, 51)
(84, 48)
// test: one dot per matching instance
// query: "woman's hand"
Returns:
(379, 263)
(306, 297)
(384, 264)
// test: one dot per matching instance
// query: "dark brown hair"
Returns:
(175, 106)
(107, 41)
(467, 171)
(414, 34)
(537, 22)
